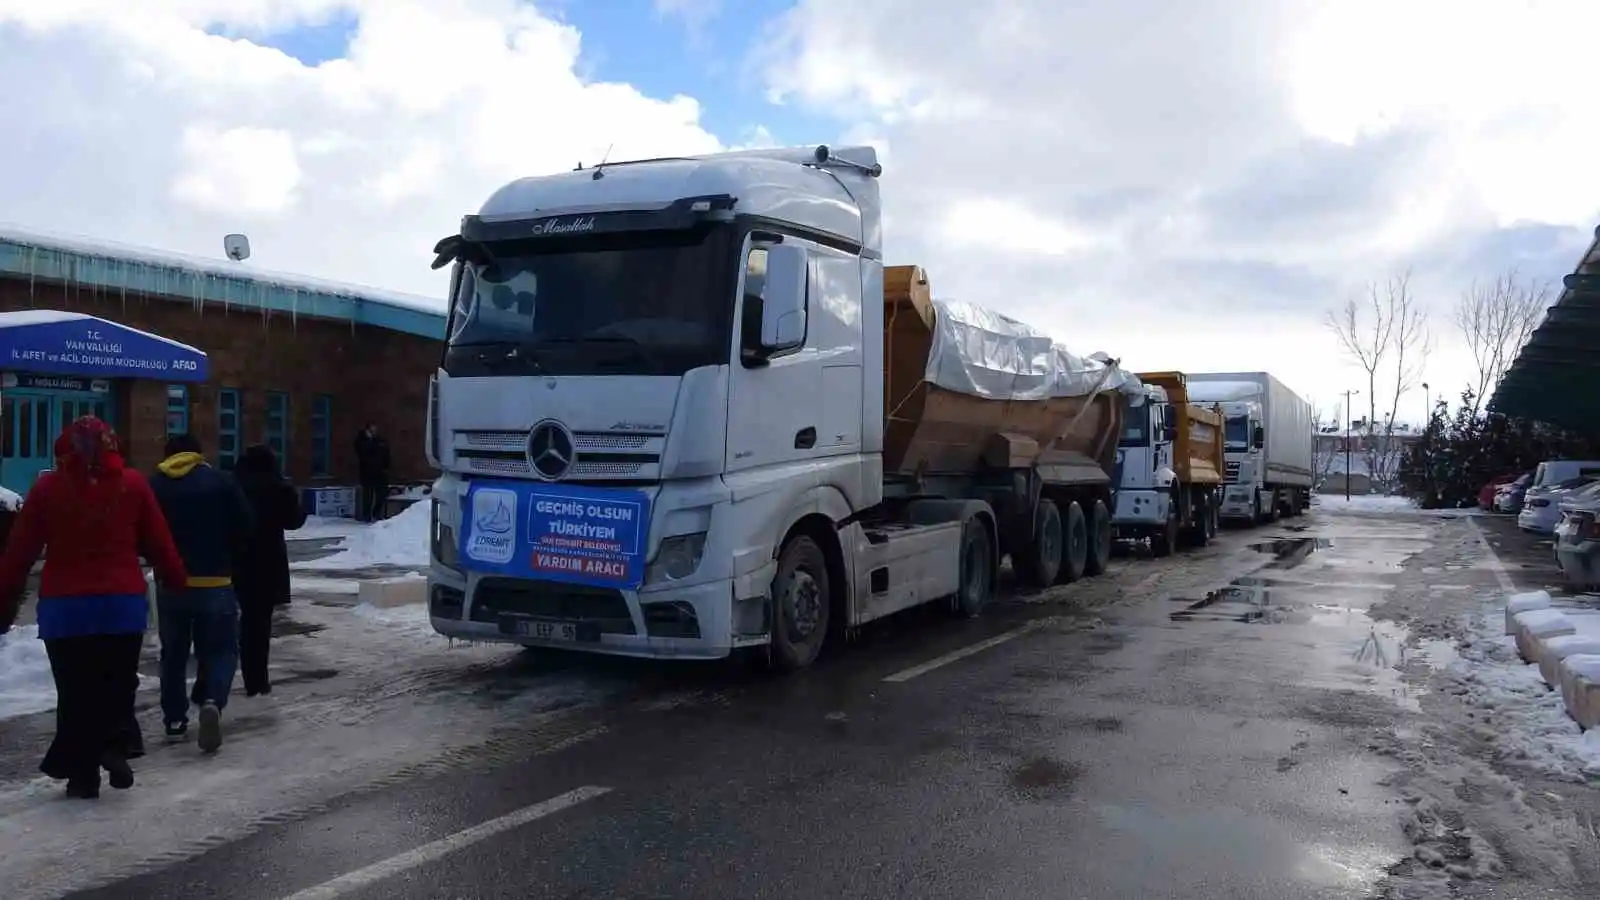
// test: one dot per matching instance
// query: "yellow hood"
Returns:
(180, 464)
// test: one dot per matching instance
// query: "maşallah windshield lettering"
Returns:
(564, 226)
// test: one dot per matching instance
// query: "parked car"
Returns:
(1541, 506)
(1508, 497)
(1578, 540)
(1486, 494)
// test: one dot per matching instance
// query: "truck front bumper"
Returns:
(1141, 509)
(1238, 502)
(690, 622)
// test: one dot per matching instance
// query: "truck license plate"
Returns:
(544, 631)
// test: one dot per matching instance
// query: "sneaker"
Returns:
(177, 731)
(210, 728)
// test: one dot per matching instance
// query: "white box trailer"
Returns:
(1267, 436)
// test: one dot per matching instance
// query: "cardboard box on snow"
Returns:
(1538, 625)
(1521, 603)
(385, 593)
(1580, 688)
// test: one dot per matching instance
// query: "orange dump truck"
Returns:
(1169, 468)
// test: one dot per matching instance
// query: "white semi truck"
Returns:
(1267, 436)
(685, 409)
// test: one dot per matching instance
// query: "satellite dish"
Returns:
(237, 246)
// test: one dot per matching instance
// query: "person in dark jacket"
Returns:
(210, 521)
(261, 571)
(95, 518)
(372, 461)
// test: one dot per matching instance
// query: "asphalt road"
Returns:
(1207, 726)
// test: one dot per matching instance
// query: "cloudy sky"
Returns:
(1184, 185)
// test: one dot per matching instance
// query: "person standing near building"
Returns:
(93, 518)
(261, 572)
(210, 521)
(372, 459)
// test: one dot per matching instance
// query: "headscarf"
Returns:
(89, 454)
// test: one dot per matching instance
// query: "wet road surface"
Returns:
(1214, 725)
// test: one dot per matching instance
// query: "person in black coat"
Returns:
(372, 461)
(261, 572)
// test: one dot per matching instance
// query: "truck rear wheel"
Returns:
(1039, 562)
(1165, 542)
(800, 600)
(977, 570)
(1200, 523)
(1075, 548)
(1099, 540)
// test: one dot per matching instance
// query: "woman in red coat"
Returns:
(97, 518)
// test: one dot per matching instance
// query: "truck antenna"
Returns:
(600, 170)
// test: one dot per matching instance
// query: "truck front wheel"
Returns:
(800, 600)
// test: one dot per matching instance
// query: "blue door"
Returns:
(29, 424)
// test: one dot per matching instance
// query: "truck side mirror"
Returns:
(1169, 423)
(783, 300)
(1260, 437)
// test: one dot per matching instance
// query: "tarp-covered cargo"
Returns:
(958, 376)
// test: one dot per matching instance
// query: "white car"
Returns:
(1541, 507)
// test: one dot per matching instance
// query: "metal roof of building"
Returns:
(1556, 376)
(42, 257)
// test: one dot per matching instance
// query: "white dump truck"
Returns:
(1267, 436)
(1169, 467)
(685, 409)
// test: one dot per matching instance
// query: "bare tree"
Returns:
(1496, 318)
(1325, 452)
(1386, 333)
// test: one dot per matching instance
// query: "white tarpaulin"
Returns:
(980, 352)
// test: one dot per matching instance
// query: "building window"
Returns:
(228, 416)
(278, 425)
(177, 409)
(321, 436)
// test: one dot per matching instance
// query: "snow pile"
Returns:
(321, 528)
(10, 499)
(1526, 717)
(25, 683)
(410, 621)
(400, 541)
(1364, 502)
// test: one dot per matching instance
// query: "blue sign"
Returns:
(578, 535)
(63, 343)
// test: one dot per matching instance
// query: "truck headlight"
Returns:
(678, 557)
(444, 541)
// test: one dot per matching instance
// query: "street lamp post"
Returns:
(1347, 454)
(1426, 453)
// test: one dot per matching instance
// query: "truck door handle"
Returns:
(805, 438)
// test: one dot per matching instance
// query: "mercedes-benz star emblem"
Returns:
(550, 447)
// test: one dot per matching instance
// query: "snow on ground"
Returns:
(1363, 502)
(1529, 719)
(25, 683)
(319, 528)
(400, 541)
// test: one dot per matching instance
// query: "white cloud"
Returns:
(1221, 172)
(139, 126)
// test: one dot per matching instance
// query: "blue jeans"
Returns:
(208, 618)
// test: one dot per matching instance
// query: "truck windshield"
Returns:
(657, 303)
(1236, 432)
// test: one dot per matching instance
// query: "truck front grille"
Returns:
(597, 455)
(1230, 473)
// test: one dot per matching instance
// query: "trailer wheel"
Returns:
(1075, 548)
(1099, 540)
(1038, 563)
(1293, 509)
(801, 604)
(1213, 516)
(977, 570)
(1165, 542)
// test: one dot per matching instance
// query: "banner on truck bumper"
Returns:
(578, 535)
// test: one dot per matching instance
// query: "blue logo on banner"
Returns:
(579, 535)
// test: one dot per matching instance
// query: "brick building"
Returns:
(296, 363)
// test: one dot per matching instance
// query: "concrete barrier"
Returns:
(1521, 603)
(1580, 688)
(1552, 651)
(385, 593)
(1536, 626)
